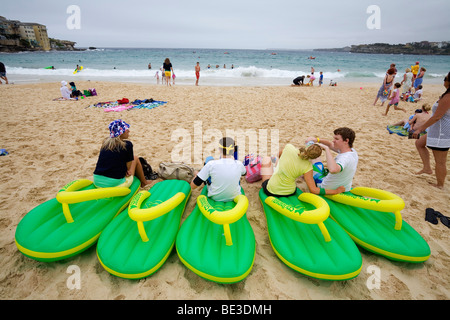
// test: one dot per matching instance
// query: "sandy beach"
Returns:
(51, 143)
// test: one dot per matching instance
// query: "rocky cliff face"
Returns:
(417, 48)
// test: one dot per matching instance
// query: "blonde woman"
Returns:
(292, 164)
(407, 81)
(116, 164)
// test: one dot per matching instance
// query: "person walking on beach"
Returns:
(415, 70)
(167, 67)
(3, 73)
(197, 73)
(437, 138)
(419, 78)
(395, 99)
(406, 82)
(385, 89)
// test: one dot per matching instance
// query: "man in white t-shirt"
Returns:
(341, 169)
(225, 174)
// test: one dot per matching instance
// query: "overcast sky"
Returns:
(236, 24)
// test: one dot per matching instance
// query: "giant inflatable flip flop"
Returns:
(138, 242)
(307, 240)
(72, 222)
(216, 240)
(372, 218)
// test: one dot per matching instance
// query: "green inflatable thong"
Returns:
(307, 240)
(137, 243)
(72, 222)
(216, 240)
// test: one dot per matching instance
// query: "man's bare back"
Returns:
(419, 119)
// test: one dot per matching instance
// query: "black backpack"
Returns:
(148, 171)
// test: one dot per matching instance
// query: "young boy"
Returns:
(418, 94)
(197, 73)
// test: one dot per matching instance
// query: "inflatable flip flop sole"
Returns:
(316, 247)
(138, 242)
(72, 222)
(216, 240)
(376, 224)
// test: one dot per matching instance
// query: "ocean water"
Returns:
(250, 67)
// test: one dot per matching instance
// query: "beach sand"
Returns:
(51, 143)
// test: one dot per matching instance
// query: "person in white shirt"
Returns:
(342, 168)
(225, 174)
(65, 91)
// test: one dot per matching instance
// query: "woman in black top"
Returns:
(167, 66)
(116, 163)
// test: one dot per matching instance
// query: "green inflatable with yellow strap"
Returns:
(307, 240)
(372, 218)
(216, 240)
(137, 243)
(72, 222)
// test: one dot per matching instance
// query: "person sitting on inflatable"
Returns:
(341, 169)
(117, 163)
(292, 164)
(225, 174)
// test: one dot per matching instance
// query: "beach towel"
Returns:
(120, 106)
(398, 130)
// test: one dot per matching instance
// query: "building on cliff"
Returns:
(20, 36)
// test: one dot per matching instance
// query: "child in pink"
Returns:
(395, 98)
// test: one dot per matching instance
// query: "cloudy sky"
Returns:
(235, 24)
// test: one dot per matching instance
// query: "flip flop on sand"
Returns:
(432, 216)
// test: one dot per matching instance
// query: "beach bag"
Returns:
(253, 169)
(93, 92)
(148, 171)
(176, 170)
(87, 93)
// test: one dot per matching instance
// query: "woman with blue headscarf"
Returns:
(117, 163)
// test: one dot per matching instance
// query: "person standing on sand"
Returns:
(3, 73)
(437, 137)
(419, 78)
(415, 70)
(385, 89)
(167, 68)
(197, 73)
(395, 99)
